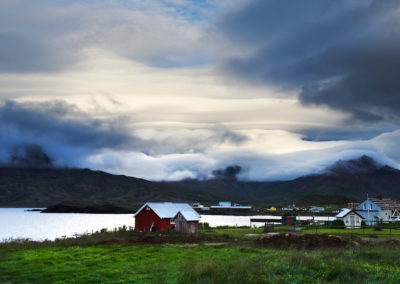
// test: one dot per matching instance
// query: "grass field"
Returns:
(199, 264)
(367, 232)
(219, 256)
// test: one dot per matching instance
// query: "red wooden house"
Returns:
(159, 216)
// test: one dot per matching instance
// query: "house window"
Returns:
(365, 207)
(370, 206)
(147, 208)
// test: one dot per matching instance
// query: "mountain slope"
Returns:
(43, 187)
(351, 179)
(343, 181)
(354, 179)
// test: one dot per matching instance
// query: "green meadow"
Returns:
(199, 264)
(222, 257)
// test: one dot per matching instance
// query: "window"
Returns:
(365, 206)
(370, 206)
(147, 208)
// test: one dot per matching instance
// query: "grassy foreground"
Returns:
(204, 259)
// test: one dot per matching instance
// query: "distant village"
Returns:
(182, 217)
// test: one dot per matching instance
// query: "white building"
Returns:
(289, 208)
(351, 219)
(225, 203)
(316, 209)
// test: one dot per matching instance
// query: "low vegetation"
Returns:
(216, 255)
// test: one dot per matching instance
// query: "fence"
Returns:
(373, 231)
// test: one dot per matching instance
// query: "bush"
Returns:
(204, 225)
(337, 223)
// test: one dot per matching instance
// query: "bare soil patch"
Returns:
(303, 241)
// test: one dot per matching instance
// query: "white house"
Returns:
(289, 208)
(351, 219)
(316, 209)
(395, 216)
(225, 203)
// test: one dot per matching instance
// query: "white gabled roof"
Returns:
(343, 213)
(167, 209)
(190, 215)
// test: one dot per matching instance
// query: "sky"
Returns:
(177, 89)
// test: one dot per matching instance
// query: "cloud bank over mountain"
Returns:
(56, 134)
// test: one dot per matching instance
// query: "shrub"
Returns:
(337, 223)
(204, 225)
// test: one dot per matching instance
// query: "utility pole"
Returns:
(368, 208)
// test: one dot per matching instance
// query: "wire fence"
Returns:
(372, 230)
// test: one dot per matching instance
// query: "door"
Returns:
(352, 221)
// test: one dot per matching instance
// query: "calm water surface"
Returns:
(18, 223)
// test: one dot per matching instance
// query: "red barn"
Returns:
(158, 216)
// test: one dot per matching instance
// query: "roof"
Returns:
(229, 207)
(346, 212)
(167, 209)
(343, 213)
(189, 215)
(386, 203)
(290, 206)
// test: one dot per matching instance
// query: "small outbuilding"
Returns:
(187, 222)
(351, 219)
(159, 216)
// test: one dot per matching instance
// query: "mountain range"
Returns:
(343, 182)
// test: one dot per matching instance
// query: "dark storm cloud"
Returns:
(29, 156)
(229, 173)
(343, 54)
(58, 121)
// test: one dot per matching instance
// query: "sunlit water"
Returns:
(18, 223)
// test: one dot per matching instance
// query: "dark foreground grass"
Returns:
(182, 263)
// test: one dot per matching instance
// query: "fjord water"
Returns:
(19, 223)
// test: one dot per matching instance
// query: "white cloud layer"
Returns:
(257, 164)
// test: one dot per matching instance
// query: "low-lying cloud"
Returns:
(254, 165)
(42, 135)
